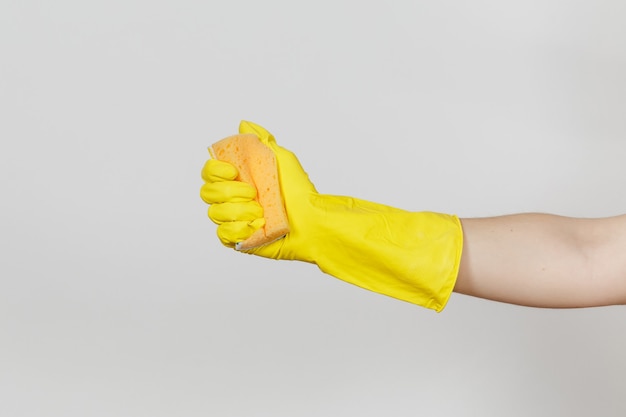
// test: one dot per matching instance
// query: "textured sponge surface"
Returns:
(257, 166)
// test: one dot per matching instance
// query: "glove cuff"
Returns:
(411, 256)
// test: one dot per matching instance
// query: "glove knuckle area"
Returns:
(215, 170)
(230, 212)
(227, 191)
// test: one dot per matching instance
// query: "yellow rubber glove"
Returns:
(411, 256)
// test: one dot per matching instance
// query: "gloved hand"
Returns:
(412, 256)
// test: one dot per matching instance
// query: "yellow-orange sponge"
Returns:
(257, 166)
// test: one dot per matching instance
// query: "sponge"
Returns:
(257, 166)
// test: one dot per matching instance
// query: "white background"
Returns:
(116, 299)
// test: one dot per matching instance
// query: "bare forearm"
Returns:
(544, 260)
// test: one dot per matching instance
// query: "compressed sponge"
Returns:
(257, 166)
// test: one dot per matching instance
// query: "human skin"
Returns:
(543, 260)
(533, 259)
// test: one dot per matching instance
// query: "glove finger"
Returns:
(215, 170)
(227, 191)
(230, 212)
(263, 134)
(287, 160)
(230, 233)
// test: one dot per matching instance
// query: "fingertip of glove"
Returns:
(263, 134)
(230, 233)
